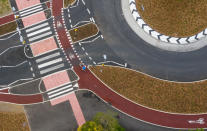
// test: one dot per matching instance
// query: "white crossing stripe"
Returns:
(70, 89)
(26, 10)
(51, 69)
(40, 36)
(48, 57)
(50, 63)
(36, 27)
(57, 90)
(39, 31)
(32, 11)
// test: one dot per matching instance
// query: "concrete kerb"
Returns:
(135, 102)
(131, 115)
(27, 118)
(127, 12)
(77, 3)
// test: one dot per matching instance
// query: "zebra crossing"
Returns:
(39, 31)
(51, 62)
(61, 90)
(31, 10)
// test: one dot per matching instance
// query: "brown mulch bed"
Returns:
(9, 27)
(68, 2)
(5, 8)
(12, 118)
(154, 93)
(83, 32)
(178, 18)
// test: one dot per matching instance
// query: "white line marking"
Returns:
(70, 89)
(40, 36)
(26, 10)
(52, 68)
(39, 31)
(48, 57)
(50, 63)
(36, 27)
(88, 11)
(31, 12)
(57, 90)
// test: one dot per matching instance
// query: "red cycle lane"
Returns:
(21, 99)
(90, 82)
(6, 19)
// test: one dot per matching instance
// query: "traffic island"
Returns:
(7, 28)
(13, 118)
(83, 32)
(155, 93)
(175, 18)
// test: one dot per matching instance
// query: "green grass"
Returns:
(154, 93)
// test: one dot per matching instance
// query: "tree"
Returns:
(90, 126)
(102, 122)
(108, 122)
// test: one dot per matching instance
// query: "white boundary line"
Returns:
(9, 49)
(131, 115)
(135, 102)
(86, 37)
(9, 36)
(75, 5)
(14, 66)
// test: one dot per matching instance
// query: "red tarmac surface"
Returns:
(22, 4)
(7, 19)
(56, 80)
(33, 19)
(4, 90)
(89, 81)
(21, 99)
(43, 46)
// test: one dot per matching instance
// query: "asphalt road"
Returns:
(140, 55)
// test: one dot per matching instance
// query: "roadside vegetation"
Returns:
(12, 118)
(68, 2)
(5, 7)
(178, 18)
(102, 122)
(83, 32)
(154, 93)
(7, 28)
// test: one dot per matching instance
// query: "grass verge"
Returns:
(5, 7)
(154, 93)
(178, 18)
(12, 118)
(68, 2)
(83, 32)
(9, 27)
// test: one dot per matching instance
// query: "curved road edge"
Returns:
(155, 42)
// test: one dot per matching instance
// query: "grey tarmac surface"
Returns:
(44, 117)
(141, 56)
(90, 105)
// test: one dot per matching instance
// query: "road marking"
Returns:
(50, 63)
(70, 89)
(88, 11)
(60, 89)
(37, 27)
(40, 36)
(52, 68)
(26, 10)
(39, 31)
(39, 9)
